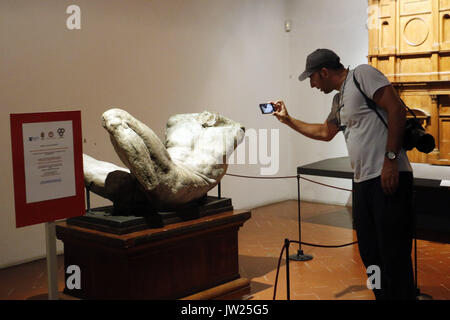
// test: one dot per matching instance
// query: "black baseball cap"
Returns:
(316, 60)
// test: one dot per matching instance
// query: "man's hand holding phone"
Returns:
(280, 111)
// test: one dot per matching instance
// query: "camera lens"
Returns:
(425, 142)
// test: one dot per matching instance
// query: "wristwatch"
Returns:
(391, 155)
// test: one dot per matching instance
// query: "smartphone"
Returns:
(266, 108)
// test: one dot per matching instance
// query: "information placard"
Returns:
(48, 166)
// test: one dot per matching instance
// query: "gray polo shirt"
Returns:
(365, 134)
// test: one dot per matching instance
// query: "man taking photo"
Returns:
(382, 195)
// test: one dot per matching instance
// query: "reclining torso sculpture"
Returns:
(162, 176)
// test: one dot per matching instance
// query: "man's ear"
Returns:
(324, 73)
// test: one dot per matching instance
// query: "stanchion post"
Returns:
(52, 264)
(88, 200)
(415, 244)
(288, 289)
(299, 216)
(299, 256)
(353, 205)
(418, 294)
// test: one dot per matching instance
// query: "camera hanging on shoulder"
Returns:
(414, 136)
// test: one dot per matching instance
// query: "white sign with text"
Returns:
(49, 160)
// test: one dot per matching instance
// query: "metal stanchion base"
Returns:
(300, 256)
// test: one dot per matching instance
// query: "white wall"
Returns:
(161, 57)
(339, 26)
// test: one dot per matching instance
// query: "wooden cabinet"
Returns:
(409, 41)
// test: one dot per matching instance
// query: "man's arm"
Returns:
(318, 131)
(387, 98)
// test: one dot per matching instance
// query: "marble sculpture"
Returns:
(169, 175)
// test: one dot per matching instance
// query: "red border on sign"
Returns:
(49, 210)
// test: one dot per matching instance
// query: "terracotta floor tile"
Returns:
(336, 273)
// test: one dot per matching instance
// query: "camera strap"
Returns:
(372, 105)
(413, 127)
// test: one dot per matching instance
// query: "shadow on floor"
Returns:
(256, 287)
(427, 228)
(341, 218)
(255, 267)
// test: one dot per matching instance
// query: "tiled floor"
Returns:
(28, 280)
(336, 273)
(332, 274)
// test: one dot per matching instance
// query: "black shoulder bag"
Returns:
(414, 136)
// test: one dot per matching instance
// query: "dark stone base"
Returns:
(103, 218)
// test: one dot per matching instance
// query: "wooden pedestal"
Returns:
(176, 261)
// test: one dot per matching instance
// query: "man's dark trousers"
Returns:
(384, 226)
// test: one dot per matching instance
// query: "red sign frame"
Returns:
(49, 210)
